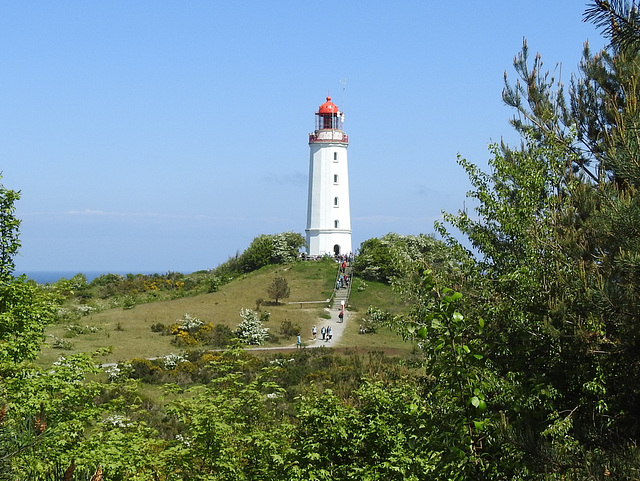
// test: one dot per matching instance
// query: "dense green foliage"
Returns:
(379, 259)
(9, 225)
(264, 250)
(555, 274)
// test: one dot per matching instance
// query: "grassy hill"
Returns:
(128, 334)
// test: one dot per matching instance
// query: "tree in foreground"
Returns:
(42, 412)
(554, 269)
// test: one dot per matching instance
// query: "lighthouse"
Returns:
(328, 229)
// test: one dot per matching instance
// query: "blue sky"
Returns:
(164, 136)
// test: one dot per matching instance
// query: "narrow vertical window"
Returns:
(336, 224)
(335, 156)
(335, 202)
(335, 179)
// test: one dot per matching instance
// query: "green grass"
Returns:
(379, 295)
(128, 331)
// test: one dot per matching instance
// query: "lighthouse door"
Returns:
(336, 250)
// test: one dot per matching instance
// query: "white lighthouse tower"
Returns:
(328, 214)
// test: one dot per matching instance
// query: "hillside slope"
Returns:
(128, 332)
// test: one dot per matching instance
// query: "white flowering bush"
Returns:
(189, 323)
(281, 362)
(113, 372)
(183, 439)
(85, 310)
(59, 343)
(250, 330)
(74, 313)
(73, 330)
(170, 361)
(285, 247)
(63, 362)
(117, 421)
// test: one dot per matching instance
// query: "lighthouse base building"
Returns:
(328, 229)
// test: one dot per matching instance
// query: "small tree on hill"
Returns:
(278, 289)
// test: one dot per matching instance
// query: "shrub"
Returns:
(273, 338)
(380, 259)
(270, 249)
(128, 302)
(171, 361)
(218, 335)
(184, 339)
(189, 323)
(64, 344)
(74, 330)
(209, 357)
(289, 329)
(250, 330)
(158, 327)
(212, 283)
(141, 368)
(368, 326)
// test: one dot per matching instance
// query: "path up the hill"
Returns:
(339, 298)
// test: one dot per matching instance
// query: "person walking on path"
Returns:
(299, 342)
(314, 332)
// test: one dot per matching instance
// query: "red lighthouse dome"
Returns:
(328, 107)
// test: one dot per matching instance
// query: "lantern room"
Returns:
(328, 116)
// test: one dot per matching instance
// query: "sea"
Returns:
(50, 277)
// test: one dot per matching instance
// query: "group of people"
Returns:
(325, 332)
(344, 257)
(342, 281)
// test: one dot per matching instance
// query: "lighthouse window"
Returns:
(335, 179)
(335, 202)
(335, 156)
(336, 224)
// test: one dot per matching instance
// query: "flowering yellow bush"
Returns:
(187, 367)
(183, 338)
(209, 357)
